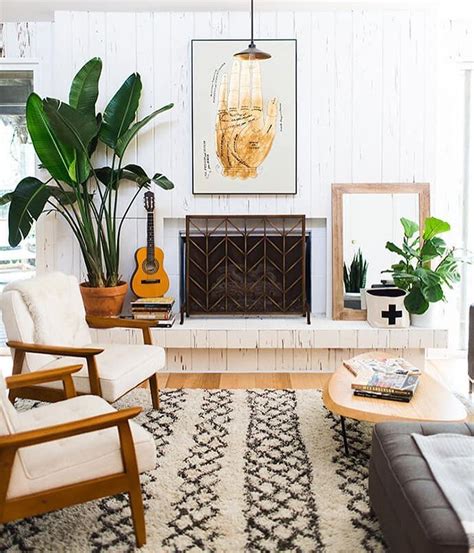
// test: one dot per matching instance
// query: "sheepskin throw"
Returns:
(56, 308)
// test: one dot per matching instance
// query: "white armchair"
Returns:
(47, 328)
(69, 452)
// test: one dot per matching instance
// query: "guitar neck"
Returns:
(150, 237)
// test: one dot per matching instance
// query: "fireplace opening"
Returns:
(245, 265)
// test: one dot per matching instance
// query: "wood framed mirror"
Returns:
(364, 218)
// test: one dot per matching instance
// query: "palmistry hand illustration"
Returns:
(244, 137)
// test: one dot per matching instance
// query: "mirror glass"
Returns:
(369, 221)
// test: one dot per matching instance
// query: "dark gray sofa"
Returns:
(414, 514)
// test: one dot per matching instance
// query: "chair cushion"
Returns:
(121, 367)
(8, 414)
(76, 459)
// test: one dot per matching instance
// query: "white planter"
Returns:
(363, 299)
(352, 300)
(429, 318)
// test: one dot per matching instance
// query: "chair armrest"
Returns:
(65, 351)
(114, 322)
(39, 377)
(68, 429)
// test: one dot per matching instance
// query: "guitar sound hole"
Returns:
(150, 267)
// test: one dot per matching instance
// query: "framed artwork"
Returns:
(243, 118)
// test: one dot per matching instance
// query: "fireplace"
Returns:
(245, 265)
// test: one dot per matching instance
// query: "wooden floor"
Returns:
(451, 372)
(233, 381)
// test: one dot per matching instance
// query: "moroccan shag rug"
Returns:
(237, 471)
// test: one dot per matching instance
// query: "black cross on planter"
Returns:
(392, 314)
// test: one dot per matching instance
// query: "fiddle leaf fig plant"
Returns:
(65, 137)
(427, 265)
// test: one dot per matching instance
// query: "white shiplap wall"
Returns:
(365, 101)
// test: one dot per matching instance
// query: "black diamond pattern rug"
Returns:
(237, 471)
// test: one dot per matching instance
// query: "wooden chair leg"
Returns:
(129, 459)
(138, 514)
(155, 392)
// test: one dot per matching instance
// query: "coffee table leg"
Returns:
(344, 435)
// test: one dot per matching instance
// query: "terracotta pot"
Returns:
(103, 302)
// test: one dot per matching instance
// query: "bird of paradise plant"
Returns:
(65, 137)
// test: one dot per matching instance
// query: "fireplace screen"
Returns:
(250, 265)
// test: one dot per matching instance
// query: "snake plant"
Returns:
(356, 276)
(65, 137)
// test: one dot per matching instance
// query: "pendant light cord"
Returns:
(251, 23)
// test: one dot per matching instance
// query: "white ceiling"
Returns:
(37, 10)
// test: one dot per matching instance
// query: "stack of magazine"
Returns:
(393, 378)
(159, 310)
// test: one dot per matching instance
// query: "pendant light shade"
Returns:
(252, 52)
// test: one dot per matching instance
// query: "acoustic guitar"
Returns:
(150, 279)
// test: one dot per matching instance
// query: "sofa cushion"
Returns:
(121, 367)
(78, 458)
(424, 513)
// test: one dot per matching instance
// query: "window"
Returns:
(17, 160)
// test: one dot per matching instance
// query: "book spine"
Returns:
(391, 397)
(382, 389)
(152, 316)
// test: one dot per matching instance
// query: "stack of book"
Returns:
(159, 310)
(394, 379)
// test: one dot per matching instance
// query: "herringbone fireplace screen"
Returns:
(248, 265)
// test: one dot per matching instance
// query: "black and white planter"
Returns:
(385, 308)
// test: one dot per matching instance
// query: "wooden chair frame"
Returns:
(88, 353)
(127, 481)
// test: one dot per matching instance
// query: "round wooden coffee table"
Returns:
(432, 402)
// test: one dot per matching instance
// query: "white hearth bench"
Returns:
(278, 345)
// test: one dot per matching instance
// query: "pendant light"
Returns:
(252, 52)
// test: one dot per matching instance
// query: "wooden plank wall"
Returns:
(365, 107)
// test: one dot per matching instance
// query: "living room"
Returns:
(236, 277)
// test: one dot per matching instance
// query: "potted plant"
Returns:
(426, 268)
(355, 279)
(65, 137)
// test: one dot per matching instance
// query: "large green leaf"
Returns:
(6, 198)
(162, 181)
(56, 156)
(120, 111)
(432, 248)
(390, 246)
(70, 124)
(433, 293)
(64, 197)
(409, 227)
(127, 137)
(27, 203)
(130, 172)
(415, 301)
(85, 87)
(434, 226)
(74, 129)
